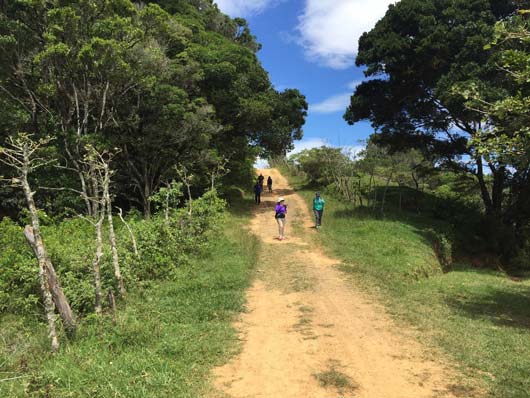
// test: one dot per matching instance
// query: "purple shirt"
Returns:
(280, 209)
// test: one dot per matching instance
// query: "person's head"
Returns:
(317, 194)
(281, 201)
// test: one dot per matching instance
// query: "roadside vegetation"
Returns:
(125, 129)
(433, 215)
(477, 315)
(163, 342)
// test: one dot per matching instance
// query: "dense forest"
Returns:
(114, 110)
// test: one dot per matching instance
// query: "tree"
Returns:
(100, 175)
(166, 82)
(23, 155)
(416, 54)
(505, 134)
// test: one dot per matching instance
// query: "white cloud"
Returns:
(353, 85)
(244, 8)
(330, 29)
(333, 104)
(309, 143)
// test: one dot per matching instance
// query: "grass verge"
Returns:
(167, 339)
(479, 318)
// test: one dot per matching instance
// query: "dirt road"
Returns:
(309, 333)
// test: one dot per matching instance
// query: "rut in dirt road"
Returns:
(309, 333)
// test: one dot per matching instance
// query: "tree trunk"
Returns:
(370, 188)
(114, 249)
(42, 258)
(112, 235)
(385, 192)
(499, 176)
(360, 193)
(58, 296)
(190, 200)
(146, 195)
(131, 234)
(486, 198)
(96, 265)
(166, 204)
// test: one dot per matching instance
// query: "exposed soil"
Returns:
(310, 333)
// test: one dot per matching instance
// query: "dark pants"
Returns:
(318, 217)
(270, 187)
(258, 198)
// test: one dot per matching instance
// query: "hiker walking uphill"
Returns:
(306, 320)
(281, 213)
(318, 209)
(261, 179)
(269, 184)
(257, 192)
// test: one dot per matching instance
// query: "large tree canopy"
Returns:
(416, 56)
(164, 83)
(419, 58)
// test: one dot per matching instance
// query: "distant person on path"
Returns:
(269, 184)
(281, 213)
(257, 192)
(318, 209)
(260, 180)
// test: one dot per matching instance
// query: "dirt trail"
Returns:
(308, 332)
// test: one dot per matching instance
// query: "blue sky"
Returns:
(311, 45)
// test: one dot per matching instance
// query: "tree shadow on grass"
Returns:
(502, 307)
(462, 224)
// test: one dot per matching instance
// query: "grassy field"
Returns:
(166, 341)
(479, 318)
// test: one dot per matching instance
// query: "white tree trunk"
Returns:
(61, 302)
(131, 234)
(42, 258)
(112, 235)
(96, 265)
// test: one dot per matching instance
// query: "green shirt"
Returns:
(318, 204)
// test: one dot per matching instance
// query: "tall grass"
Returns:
(168, 336)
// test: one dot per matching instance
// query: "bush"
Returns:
(19, 283)
(164, 246)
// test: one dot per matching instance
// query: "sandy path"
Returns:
(308, 332)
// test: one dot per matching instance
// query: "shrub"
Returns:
(19, 284)
(164, 246)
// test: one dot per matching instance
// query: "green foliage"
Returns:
(321, 164)
(442, 247)
(457, 91)
(167, 339)
(165, 247)
(19, 285)
(163, 84)
(478, 317)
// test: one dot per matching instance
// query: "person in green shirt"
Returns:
(318, 209)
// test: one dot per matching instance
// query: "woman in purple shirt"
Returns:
(281, 212)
